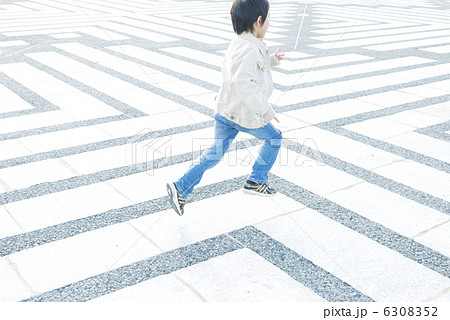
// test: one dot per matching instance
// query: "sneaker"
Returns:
(176, 199)
(261, 189)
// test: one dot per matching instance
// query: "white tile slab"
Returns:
(437, 238)
(33, 173)
(154, 122)
(310, 174)
(34, 121)
(102, 34)
(194, 54)
(13, 149)
(12, 289)
(418, 176)
(64, 139)
(55, 208)
(425, 91)
(137, 32)
(381, 273)
(13, 43)
(344, 148)
(210, 217)
(397, 213)
(440, 110)
(165, 288)
(7, 225)
(331, 111)
(423, 144)
(415, 118)
(176, 65)
(390, 98)
(65, 35)
(438, 49)
(379, 128)
(59, 263)
(131, 68)
(244, 276)
(205, 99)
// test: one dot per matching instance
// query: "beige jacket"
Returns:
(247, 82)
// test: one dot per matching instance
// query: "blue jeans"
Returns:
(225, 132)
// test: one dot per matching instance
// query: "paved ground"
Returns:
(102, 102)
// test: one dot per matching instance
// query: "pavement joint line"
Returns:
(19, 275)
(439, 295)
(420, 234)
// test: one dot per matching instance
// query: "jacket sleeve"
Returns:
(245, 80)
(274, 60)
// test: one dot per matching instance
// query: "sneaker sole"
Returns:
(256, 193)
(173, 197)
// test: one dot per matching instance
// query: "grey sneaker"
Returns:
(176, 199)
(261, 189)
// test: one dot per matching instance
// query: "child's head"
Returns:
(245, 13)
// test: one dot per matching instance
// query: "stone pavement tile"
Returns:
(151, 184)
(379, 128)
(440, 110)
(12, 287)
(161, 121)
(423, 144)
(212, 216)
(244, 276)
(438, 49)
(390, 98)
(418, 176)
(311, 175)
(425, 91)
(443, 298)
(82, 106)
(55, 208)
(34, 173)
(12, 149)
(63, 139)
(59, 263)
(398, 213)
(343, 148)
(379, 272)
(415, 118)
(333, 110)
(166, 288)
(437, 238)
(7, 225)
(34, 121)
(135, 151)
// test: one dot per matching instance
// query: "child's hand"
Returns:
(279, 56)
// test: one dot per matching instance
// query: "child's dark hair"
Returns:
(245, 12)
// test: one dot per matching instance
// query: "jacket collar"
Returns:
(258, 42)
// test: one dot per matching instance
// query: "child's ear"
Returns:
(259, 21)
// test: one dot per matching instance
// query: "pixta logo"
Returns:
(149, 150)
